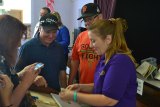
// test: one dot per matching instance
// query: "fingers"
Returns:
(40, 81)
(66, 95)
(45, 82)
(37, 71)
(33, 64)
(6, 81)
(5, 78)
(73, 87)
(62, 95)
(30, 68)
(2, 83)
(70, 87)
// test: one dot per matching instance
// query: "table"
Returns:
(43, 99)
(47, 90)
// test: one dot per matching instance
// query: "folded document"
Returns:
(62, 103)
(146, 69)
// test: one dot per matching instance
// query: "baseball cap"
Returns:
(89, 10)
(49, 22)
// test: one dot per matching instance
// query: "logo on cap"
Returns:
(84, 9)
(48, 20)
(89, 10)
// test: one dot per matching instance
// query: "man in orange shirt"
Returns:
(84, 59)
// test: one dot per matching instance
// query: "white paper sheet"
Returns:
(61, 103)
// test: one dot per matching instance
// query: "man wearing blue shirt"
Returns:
(43, 48)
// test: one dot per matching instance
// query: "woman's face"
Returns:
(100, 45)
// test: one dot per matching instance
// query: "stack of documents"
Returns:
(62, 103)
(146, 69)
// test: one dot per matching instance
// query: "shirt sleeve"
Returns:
(75, 55)
(64, 32)
(63, 65)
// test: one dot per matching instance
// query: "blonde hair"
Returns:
(58, 17)
(116, 28)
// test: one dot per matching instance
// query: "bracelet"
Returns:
(9, 105)
(75, 96)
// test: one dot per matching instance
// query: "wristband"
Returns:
(75, 96)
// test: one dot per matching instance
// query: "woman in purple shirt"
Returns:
(115, 76)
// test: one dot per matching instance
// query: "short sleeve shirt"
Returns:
(52, 56)
(117, 80)
(87, 56)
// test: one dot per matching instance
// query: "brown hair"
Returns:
(47, 9)
(116, 28)
(58, 17)
(11, 31)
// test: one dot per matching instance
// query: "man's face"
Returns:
(47, 36)
(43, 12)
(89, 20)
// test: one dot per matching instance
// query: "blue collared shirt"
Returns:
(52, 56)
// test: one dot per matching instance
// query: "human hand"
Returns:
(66, 95)
(74, 87)
(29, 74)
(40, 81)
(6, 90)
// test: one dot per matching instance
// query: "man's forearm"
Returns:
(73, 72)
(72, 76)
(63, 79)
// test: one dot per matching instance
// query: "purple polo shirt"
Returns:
(117, 80)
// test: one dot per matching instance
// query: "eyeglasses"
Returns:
(89, 19)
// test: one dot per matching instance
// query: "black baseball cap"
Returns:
(49, 22)
(89, 10)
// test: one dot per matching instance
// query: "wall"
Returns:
(36, 5)
(64, 7)
(143, 26)
(24, 5)
(68, 9)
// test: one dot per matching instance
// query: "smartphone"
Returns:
(38, 66)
